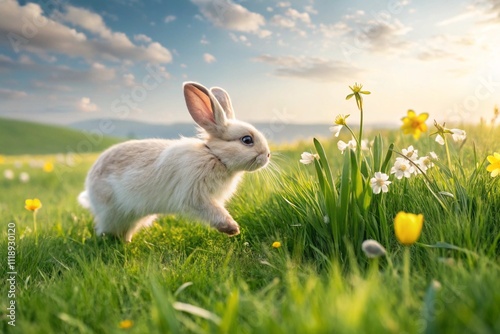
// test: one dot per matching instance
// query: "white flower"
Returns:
(365, 145)
(24, 177)
(411, 153)
(336, 129)
(342, 146)
(425, 162)
(373, 248)
(8, 174)
(402, 167)
(439, 140)
(380, 183)
(458, 135)
(307, 158)
(18, 164)
(434, 156)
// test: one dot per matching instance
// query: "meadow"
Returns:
(296, 267)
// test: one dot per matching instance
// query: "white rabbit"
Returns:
(132, 182)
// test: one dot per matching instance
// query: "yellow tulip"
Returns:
(408, 227)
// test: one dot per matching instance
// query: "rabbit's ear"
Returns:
(223, 97)
(204, 108)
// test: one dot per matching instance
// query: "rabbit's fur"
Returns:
(132, 182)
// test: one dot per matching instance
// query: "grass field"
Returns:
(21, 137)
(182, 277)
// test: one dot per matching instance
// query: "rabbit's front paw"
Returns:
(230, 227)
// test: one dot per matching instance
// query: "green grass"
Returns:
(75, 282)
(20, 137)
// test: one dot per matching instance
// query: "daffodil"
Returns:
(276, 244)
(48, 167)
(380, 183)
(411, 153)
(340, 121)
(414, 124)
(33, 204)
(402, 168)
(342, 146)
(426, 162)
(494, 166)
(365, 145)
(458, 135)
(125, 324)
(307, 158)
(407, 227)
(373, 248)
(356, 91)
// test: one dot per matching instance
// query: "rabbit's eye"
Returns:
(247, 140)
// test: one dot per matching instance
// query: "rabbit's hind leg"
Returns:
(137, 225)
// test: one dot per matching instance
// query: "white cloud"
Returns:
(51, 35)
(334, 30)
(296, 15)
(25, 60)
(281, 21)
(204, 40)
(382, 34)
(85, 105)
(129, 80)
(142, 38)
(12, 94)
(310, 68)
(283, 4)
(169, 18)
(263, 33)
(458, 18)
(229, 15)
(310, 10)
(208, 58)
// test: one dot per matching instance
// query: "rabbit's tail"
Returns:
(84, 200)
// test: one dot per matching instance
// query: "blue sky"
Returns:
(292, 61)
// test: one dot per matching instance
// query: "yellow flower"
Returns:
(413, 124)
(276, 244)
(494, 166)
(2, 159)
(33, 204)
(125, 324)
(48, 167)
(408, 227)
(341, 119)
(356, 91)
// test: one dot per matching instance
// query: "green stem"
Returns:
(360, 130)
(447, 151)
(406, 275)
(358, 143)
(34, 228)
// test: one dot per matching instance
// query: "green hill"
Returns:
(20, 137)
